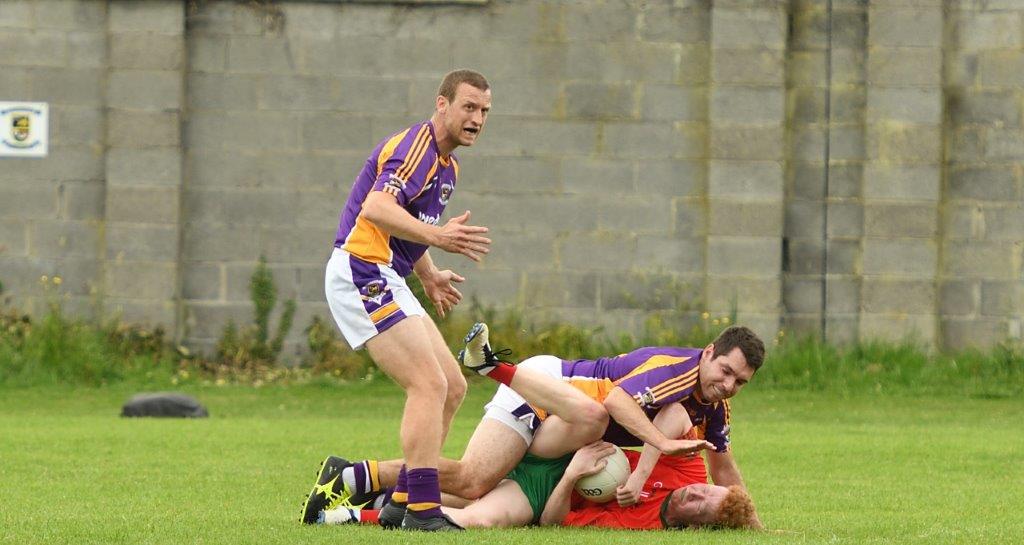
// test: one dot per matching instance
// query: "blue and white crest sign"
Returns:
(24, 129)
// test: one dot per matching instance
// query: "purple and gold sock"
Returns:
(400, 496)
(424, 492)
(361, 477)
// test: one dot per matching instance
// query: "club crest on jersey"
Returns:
(646, 398)
(446, 192)
(374, 291)
(394, 185)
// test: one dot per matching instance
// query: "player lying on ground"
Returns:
(540, 491)
(578, 419)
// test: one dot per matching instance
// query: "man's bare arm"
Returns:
(625, 410)
(456, 236)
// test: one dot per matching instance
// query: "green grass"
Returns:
(823, 467)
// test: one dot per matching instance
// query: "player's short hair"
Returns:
(736, 510)
(747, 341)
(454, 78)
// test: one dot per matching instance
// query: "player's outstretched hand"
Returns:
(440, 290)
(629, 493)
(589, 459)
(458, 237)
(676, 447)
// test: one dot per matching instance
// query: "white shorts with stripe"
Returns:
(366, 298)
(511, 409)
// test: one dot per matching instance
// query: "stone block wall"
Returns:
(844, 167)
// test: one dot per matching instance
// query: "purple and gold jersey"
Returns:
(710, 423)
(409, 166)
(655, 376)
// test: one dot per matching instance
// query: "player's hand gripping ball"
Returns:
(600, 487)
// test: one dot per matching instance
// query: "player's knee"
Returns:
(431, 387)
(456, 391)
(471, 485)
(595, 419)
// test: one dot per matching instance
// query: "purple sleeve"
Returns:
(661, 385)
(717, 431)
(405, 167)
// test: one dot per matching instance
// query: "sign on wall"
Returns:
(24, 129)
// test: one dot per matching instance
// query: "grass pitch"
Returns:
(822, 468)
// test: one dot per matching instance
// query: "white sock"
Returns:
(341, 515)
(349, 476)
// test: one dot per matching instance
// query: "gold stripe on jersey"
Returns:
(415, 156)
(688, 376)
(426, 185)
(455, 164)
(374, 470)
(653, 362)
(728, 412)
(388, 150)
(665, 394)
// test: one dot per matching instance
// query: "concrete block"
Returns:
(746, 295)
(17, 81)
(638, 214)
(1005, 224)
(17, 14)
(135, 242)
(601, 100)
(748, 28)
(983, 183)
(900, 257)
(745, 218)
(672, 24)
(976, 259)
(526, 251)
(1000, 298)
(142, 204)
(883, 181)
(63, 239)
(807, 180)
(961, 334)
(807, 104)
(525, 97)
(655, 140)
(747, 143)
(543, 137)
(318, 208)
(843, 330)
(844, 257)
(202, 281)
(38, 48)
(494, 289)
(147, 51)
(223, 91)
(747, 105)
(765, 67)
(643, 290)
(846, 143)
(905, 144)
(961, 69)
(900, 220)
(744, 256)
(218, 243)
(28, 203)
(898, 327)
(267, 207)
(959, 297)
(205, 320)
(802, 295)
(963, 222)
(140, 280)
(845, 220)
(145, 89)
(849, 67)
(577, 251)
(670, 254)
(988, 30)
(904, 27)
(804, 256)
(327, 131)
(66, 86)
(804, 219)
(134, 129)
(1004, 144)
(244, 131)
(922, 106)
(507, 58)
(665, 177)
(843, 295)
(883, 296)
(806, 68)
(76, 125)
(845, 181)
(1001, 68)
(144, 167)
(578, 176)
(543, 175)
(598, 22)
(146, 313)
(691, 218)
(207, 53)
(905, 66)
(985, 108)
(560, 289)
(807, 142)
(260, 55)
(299, 244)
(162, 17)
(309, 93)
(808, 29)
(63, 164)
(635, 61)
(746, 179)
(13, 239)
(87, 49)
(849, 104)
(309, 283)
(82, 200)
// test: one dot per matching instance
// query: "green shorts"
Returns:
(538, 477)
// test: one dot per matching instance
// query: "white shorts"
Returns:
(511, 409)
(366, 298)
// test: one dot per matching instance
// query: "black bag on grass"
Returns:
(164, 404)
